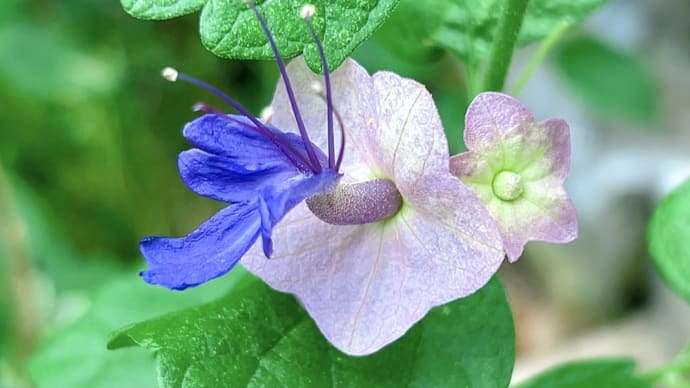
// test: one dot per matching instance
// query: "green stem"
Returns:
(472, 82)
(538, 57)
(502, 52)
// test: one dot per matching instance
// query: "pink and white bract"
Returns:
(517, 166)
(366, 285)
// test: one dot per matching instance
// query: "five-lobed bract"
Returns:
(517, 166)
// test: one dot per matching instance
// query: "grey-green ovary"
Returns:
(357, 203)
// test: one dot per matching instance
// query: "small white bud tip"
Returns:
(198, 107)
(170, 74)
(307, 11)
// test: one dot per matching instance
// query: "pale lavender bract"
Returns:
(366, 285)
(517, 166)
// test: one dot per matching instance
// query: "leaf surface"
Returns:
(668, 237)
(257, 337)
(604, 373)
(607, 80)
(229, 28)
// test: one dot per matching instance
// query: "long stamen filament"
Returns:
(288, 87)
(173, 75)
(342, 140)
(307, 12)
(341, 150)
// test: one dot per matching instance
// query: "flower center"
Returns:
(358, 203)
(507, 185)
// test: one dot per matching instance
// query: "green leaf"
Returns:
(258, 337)
(668, 237)
(408, 34)
(467, 28)
(609, 81)
(611, 373)
(161, 9)
(230, 29)
(543, 16)
(77, 357)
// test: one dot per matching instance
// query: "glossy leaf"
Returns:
(257, 337)
(668, 239)
(609, 81)
(408, 34)
(161, 9)
(229, 28)
(611, 373)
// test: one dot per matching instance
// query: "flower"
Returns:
(235, 164)
(260, 171)
(517, 166)
(366, 284)
(386, 232)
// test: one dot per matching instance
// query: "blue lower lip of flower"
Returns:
(208, 252)
(217, 245)
(232, 164)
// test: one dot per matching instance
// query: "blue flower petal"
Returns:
(219, 243)
(276, 201)
(266, 227)
(280, 199)
(208, 252)
(224, 179)
(225, 137)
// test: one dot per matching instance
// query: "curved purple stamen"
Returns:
(288, 87)
(287, 149)
(342, 141)
(342, 136)
(329, 99)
